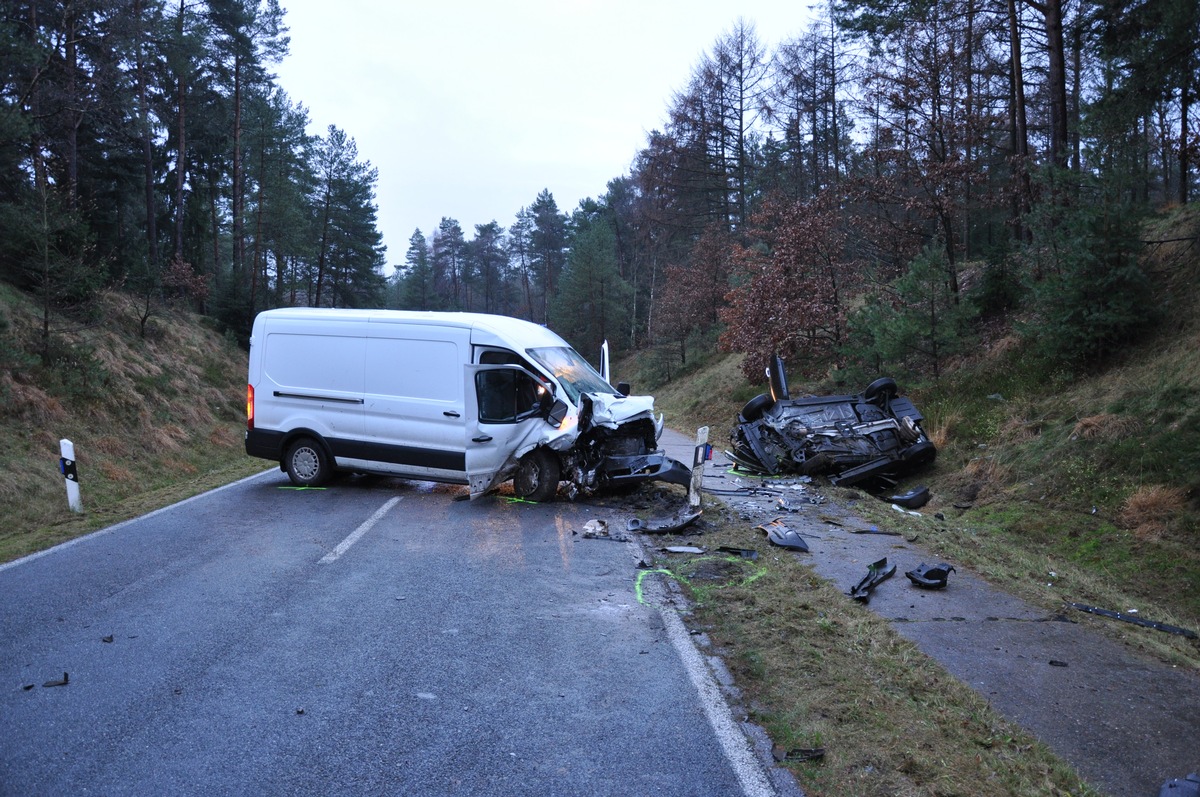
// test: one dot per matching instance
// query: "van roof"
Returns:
(508, 331)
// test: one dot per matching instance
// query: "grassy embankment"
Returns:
(154, 420)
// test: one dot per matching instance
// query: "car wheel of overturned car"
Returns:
(537, 475)
(756, 406)
(919, 454)
(307, 463)
(884, 388)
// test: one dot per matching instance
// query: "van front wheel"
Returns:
(306, 463)
(537, 475)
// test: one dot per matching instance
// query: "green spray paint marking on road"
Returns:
(701, 592)
(509, 500)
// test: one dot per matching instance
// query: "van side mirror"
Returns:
(623, 388)
(558, 411)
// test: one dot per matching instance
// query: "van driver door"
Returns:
(503, 409)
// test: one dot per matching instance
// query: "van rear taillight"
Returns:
(249, 407)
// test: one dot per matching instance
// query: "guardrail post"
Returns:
(70, 473)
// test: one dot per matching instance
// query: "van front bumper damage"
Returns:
(656, 466)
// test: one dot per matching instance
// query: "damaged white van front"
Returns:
(463, 398)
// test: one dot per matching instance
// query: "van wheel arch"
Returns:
(307, 461)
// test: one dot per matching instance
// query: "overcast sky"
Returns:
(469, 109)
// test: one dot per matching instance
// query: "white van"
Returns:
(464, 398)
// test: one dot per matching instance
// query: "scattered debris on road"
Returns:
(597, 529)
(1181, 787)
(782, 754)
(1124, 617)
(664, 525)
(742, 553)
(930, 576)
(63, 682)
(778, 533)
(877, 573)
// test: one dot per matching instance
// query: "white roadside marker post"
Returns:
(67, 465)
(698, 460)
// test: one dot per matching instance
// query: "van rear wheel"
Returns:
(537, 476)
(306, 463)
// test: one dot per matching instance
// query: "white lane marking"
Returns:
(738, 752)
(354, 537)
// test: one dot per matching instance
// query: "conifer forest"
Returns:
(872, 192)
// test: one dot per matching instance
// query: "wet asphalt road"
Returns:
(248, 642)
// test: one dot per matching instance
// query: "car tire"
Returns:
(307, 463)
(756, 406)
(537, 476)
(920, 454)
(881, 388)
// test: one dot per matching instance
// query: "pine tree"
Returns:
(593, 302)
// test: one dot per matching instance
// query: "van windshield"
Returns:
(575, 374)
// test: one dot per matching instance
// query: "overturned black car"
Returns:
(874, 436)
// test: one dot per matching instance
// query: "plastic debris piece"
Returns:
(877, 573)
(913, 499)
(597, 529)
(788, 506)
(797, 753)
(684, 549)
(1181, 787)
(779, 534)
(930, 576)
(664, 525)
(875, 530)
(1170, 629)
(743, 553)
(65, 680)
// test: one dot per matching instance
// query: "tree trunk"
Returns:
(71, 56)
(147, 143)
(236, 200)
(1185, 102)
(1019, 129)
(181, 133)
(1056, 78)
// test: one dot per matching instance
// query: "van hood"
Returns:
(611, 411)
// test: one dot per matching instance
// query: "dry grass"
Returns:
(159, 417)
(1017, 431)
(1150, 510)
(1106, 426)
